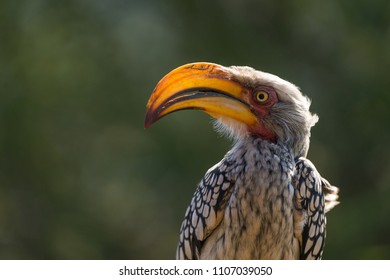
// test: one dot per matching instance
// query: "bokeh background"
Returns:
(80, 178)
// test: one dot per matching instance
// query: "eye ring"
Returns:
(261, 96)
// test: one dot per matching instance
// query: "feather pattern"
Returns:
(257, 203)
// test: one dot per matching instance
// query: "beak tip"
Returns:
(150, 119)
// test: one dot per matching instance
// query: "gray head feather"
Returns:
(290, 118)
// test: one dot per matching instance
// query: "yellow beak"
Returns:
(203, 86)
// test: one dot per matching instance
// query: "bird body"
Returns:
(245, 201)
(264, 200)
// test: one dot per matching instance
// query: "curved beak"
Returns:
(202, 86)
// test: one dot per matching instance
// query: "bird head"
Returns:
(245, 102)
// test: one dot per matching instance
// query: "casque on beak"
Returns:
(202, 86)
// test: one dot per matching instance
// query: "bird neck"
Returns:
(263, 132)
(257, 161)
(255, 145)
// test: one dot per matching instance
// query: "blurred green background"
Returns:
(80, 178)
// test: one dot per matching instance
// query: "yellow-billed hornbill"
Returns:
(264, 200)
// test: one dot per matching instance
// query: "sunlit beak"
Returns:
(203, 86)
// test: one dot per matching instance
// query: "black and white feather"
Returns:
(257, 203)
(205, 211)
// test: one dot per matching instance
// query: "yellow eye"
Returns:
(261, 96)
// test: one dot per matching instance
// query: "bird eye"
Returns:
(261, 96)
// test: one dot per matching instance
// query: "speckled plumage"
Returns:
(265, 199)
(257, 203)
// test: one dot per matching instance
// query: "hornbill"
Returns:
(265, 199)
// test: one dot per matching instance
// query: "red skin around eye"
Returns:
(262, 108)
